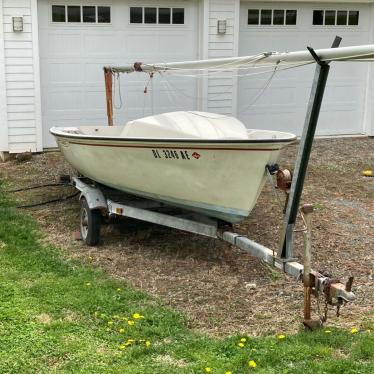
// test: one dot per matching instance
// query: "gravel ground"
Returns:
(219, 288)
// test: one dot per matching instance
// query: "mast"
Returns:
(353, 53)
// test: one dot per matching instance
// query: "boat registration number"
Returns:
(176, 154)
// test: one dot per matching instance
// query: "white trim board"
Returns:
(368, 123)
(4, 147)
(36, 60)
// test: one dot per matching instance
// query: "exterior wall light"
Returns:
(17, 23)
(221, 26)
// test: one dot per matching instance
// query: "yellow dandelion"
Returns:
(281, 337)
(147, 343)
(208, 370)
(327, 331)
(354, 330)
(137, 316)
(110, 323)
(130, 342)
(121, 331)
(130, 322)
(241, 345)
(88, 284)
(228, 372)
(121, 347)
(252, 364)
(368, 173)
(243, 340)
(253, 350)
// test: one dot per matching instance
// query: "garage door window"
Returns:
(74, 13)
(160, 16)
(335, 17)
(79, 14)
(276, 17)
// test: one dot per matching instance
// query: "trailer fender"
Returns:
(94, 197)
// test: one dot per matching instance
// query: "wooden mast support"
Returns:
(108, 76)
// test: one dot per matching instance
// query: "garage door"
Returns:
(280, 103)
(77, 40)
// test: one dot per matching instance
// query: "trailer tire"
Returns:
(90, 222)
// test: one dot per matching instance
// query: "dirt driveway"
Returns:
(220, 289)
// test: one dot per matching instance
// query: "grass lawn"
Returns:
(59, 315)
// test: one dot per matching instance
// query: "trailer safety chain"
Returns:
(328, 300)
(272, 169)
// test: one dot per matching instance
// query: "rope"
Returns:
(60, 199)
(117, 76)
(37, 186)
(145, 91)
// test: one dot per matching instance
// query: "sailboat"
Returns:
(202, 162)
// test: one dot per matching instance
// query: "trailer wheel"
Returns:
(90, 221)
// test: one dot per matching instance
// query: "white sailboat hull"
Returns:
(219, 178)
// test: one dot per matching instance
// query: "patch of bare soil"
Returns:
(221, 289)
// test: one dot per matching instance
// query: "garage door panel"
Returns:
(64, 101)
(337, 95)
(343, 106)
(274, 121)
(94, 99)
(63, 45)
(61, 72)
(144, 45)
(338, 122)
(101, 44)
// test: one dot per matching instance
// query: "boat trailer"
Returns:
(96, 202)
(99, 202)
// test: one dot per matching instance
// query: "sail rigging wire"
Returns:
(172, 88)
(262, 91)
(212, 72)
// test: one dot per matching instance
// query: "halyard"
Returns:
(219, 289)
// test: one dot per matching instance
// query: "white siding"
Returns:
(222, 90)
(3, 107)
(369, 107)
(21, 76)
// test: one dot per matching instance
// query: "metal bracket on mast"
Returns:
(285, 252)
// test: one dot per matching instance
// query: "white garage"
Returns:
(292, 26)
(52, 53)
(77, 40)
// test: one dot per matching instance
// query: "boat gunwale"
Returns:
(84, 137)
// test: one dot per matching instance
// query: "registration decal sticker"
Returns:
(196, 155)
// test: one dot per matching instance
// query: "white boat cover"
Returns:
(187, 125)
